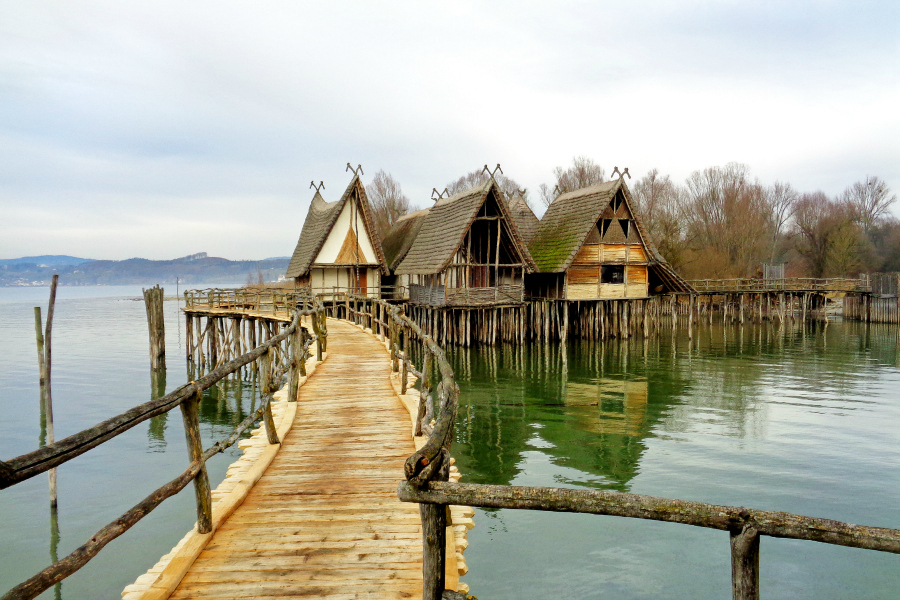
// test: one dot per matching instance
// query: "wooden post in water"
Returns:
(45, 355)
(153, 301)
(190, 412)
(745, 564)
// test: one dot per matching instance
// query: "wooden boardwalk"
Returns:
(324, 520)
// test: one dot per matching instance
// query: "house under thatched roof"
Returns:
(595, 237)
(465, 250)
(339, 245)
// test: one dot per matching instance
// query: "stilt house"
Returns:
(339, 249)
(465, 251)
(592, 246)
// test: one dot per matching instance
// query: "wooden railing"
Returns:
(292, 344)
(439, 295)
(264, 301)
(427, 472)
(795, 284)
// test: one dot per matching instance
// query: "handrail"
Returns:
(838, 284)
(186, 397)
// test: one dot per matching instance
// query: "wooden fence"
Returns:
(427, 477)
(292, 345)
(796, 284)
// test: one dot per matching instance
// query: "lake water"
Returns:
(801, 421)
(100, 369)
(804, 421)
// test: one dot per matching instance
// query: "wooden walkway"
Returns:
(324, 520)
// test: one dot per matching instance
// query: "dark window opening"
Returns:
(612, 274)
(624, 223)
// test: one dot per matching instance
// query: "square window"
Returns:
(612, 274)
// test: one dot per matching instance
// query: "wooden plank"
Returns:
(324, 520)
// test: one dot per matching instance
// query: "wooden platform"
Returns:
(325, 521)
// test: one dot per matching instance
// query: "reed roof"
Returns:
(525, 219)
(320, 220)
(571, 218)
(400, 238)
(444, 228)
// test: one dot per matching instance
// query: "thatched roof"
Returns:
(572, 217)
(321, 219)
(444, 228)
(400, 238)
(526, 220)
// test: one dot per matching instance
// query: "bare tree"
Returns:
(782, 201)
(474, 178)
(828, 237)
(660, 204)
(869, 200)
(583, 173)
(387, 200)
(729, 218)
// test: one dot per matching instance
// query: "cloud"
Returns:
(208, 120)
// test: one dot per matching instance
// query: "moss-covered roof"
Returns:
(566, 224)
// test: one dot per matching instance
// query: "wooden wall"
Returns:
(583, 276)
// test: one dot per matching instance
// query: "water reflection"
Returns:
(222, 406)
(594, 406)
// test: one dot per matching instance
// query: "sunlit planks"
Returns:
(324, 520)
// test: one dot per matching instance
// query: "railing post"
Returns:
(265, 372)
(395, 366)
(404, 344)
(302, 363)
(296, 353)
(190, 412)
(745, 564)
(426, 389)
(434, 541)
(314, 319)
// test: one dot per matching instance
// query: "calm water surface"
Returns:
(802, 421)
(100, 368)
(799, 421)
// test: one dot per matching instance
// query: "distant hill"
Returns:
(190, 270)
(50, 260)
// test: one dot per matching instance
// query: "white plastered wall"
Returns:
(337, 235)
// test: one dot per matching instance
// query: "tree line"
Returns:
(722, 222)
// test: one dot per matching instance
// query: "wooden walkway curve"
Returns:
(324, 520)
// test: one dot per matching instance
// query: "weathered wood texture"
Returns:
(153, 302)
(325, 519)
(700, 514)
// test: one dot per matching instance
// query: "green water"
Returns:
(805, 421)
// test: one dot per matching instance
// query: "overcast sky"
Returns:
(160, 129)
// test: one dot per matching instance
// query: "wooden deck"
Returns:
(324, 520)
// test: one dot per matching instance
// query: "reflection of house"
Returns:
(592, 246)
(621, 405)
(465, 250)
(339, 249)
